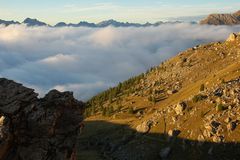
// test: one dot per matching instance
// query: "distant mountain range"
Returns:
(34, 22)
(222, 19)
(3, 22)
(212, 19)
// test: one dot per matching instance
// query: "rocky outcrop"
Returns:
(144, 127)
(37, 129)
(180, 107)
(233, 37)
(222, 19)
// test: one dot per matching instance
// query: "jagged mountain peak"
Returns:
(34, 22)
(222, 19)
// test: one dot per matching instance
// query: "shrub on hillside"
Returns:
(198, 98)
(220, 107)
(202, 87)
(130, 110)
(104, 111)
(152, 99)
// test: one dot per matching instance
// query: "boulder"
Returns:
(207, 133)
(174, 133)
(231, 126)
(227, 120)
(211, 127)
(201, 138)
(172, 91)
(37, 129)
(218, 139)
(144, 127)
(180, 108)
(232, 37)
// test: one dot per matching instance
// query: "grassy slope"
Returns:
(207, 64)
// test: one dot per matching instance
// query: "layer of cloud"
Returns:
(87, 60)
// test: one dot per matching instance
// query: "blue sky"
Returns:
(53, 11)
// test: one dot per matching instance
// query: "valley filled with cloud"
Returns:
(90, 60)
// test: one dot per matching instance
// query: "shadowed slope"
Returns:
(114, 140)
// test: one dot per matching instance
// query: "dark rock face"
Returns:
(37, 129)
(222, 19)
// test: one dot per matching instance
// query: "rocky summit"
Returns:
(188, 107)
(37, 129)
(222, 19)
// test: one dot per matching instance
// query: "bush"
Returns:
(130, 110)
(223, 81)
(104, 111)
(220, 107)
(118, 108)
(198, 98)
(152, 99)
(202, 87)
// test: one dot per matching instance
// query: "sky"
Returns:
(141, 11)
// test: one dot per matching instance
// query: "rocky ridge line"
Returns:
(37, 129)
(222, 19)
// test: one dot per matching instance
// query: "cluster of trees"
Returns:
(112, 93)
(105, 111)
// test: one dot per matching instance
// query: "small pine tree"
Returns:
(101, 108)
(220, 107)
(104, 111)
(202, 87)
(110, 99)
(223, 81)
(92, 110)
(111, 110)
(118, 108)
(130, 110)
(107, 112)
(154, 100)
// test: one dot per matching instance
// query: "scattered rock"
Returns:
(211, 128)
(144, 127)
(174, 133)
(180, 108)
(201, 138)
(218, 139)
(207, 134)
(171, 91)
(232, 37)
(1, 120)
(231, 126)
(227, 120)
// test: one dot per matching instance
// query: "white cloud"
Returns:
(59, 58)
(87, 60)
